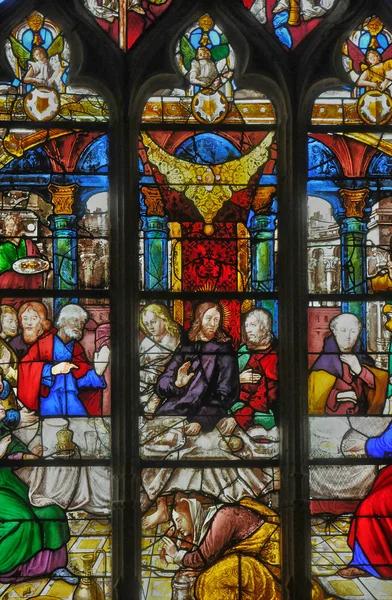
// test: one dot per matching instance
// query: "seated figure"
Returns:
(32, 539)
(370, 536)
(201, 381)
(344, 380)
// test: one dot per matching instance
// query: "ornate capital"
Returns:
(330, 263)
(354, 201)
(63, 197)
(153, 200)
(263, 198)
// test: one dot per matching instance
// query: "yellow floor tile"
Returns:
(59, 589)
(346, 588)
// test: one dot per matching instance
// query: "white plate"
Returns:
(31, 265)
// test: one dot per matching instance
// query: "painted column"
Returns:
(63, 224)
(156, 231)
(262, 227)
(330, 269)
(353, 230)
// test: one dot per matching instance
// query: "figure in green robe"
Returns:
(32, 539)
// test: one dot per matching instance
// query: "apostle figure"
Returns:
(258, 365)
(231, 548)
(343, 380)
(13, 247)
(370, 535)
(8, 331)
(162, 338)
(34, 322)
(201, 380)
(32, 539)
(55, 376)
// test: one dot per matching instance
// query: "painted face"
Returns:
(203, 54)
(154, 324)
(10, 227)
(256, 330)
(184, 525)
(73, 327)
(9, 325)
(39, 54)
(373, 58)
(31, 326)
(346, 333)
(210, 323)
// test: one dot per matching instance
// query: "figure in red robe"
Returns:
(370, 536)
(258, 365)
(13, 247)
(55, 377)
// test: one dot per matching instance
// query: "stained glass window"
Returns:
(209, 326)
(55, 535)
(289, 20)
(201, 383)
(349, 321)
(126, 20)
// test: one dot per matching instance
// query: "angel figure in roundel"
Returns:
(373, 70)
(44, 68)
(201, 64)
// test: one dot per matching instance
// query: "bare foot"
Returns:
(352, 573)
(159, 516)
(192, 429)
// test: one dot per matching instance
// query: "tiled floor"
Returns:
(330, 553)
(87, 536)
(157, 576)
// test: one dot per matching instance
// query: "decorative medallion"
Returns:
(375, 107)
(42, 104)
(209, 106)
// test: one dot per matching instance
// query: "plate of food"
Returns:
(31, 265)
(163, 444)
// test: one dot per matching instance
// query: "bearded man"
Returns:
(201, 380)
(258, 365)
(34, 322)
(55, 376)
